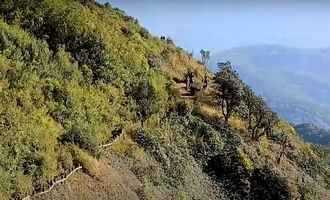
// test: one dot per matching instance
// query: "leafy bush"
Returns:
(183, 108)
(5, 184)
(80, 138)
(65, 159)
(73, 74)
(144, 96)
(269, 186)
(144, 140)
(228, 166)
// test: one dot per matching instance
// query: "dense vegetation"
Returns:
(76, 74)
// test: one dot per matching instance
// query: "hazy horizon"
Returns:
(221, 25)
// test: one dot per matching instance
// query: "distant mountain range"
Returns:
(295, 82)
(313, 134)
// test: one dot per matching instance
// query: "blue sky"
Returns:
(219, 25)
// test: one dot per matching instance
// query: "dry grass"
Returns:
(238, 124)
(178, 65)
(124, 145)
(112, 184)
(209, 111)
(90, 165)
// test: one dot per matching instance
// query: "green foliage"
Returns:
(84, 140)
(5, 184)
(229, 90)
(247, 163)
(65, 159)
(183, 108)
(267, 185)
(181, 144)
(260, 118)
(309, 191)
(73, 73)
(70, 76)
(150, 96)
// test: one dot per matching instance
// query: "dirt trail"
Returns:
(183, 91)
(111, 184)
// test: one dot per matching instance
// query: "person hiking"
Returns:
(205, 82)
(189, 80)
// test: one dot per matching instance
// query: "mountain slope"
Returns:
(86, 91)
(294, 81)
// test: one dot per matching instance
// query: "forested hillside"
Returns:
(92, 107)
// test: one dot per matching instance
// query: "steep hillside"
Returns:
(92, 107)
(297, 84)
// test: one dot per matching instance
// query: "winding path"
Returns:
(67, 176)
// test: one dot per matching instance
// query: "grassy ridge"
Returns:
(74, 74)
(67, 70)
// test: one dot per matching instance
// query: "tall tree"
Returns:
(246, 112)
(284, 142)
(259, 113)
(229, 89)
(260, 118)
(271, 121)
(205, 54)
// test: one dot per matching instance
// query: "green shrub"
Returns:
(245, 160)
(144, 96)
(74, 74)
(183, 108)
(65, 159)
(80, 138)
(5, 184)
(267, 185)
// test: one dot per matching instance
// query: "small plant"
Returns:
(81, 138)
(183, 108)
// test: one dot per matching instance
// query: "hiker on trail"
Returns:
(205, 82)
(189, 80)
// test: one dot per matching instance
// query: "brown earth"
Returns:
(112, 183)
